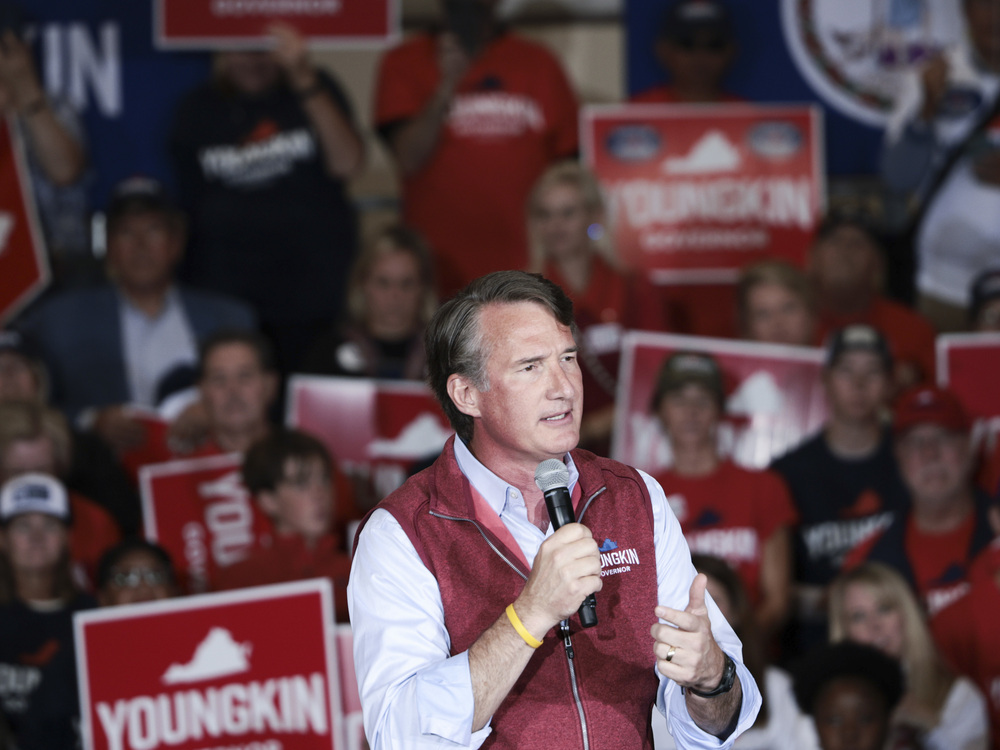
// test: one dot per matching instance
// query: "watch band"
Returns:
(727, 682)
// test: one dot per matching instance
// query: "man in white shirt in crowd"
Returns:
(440, 662)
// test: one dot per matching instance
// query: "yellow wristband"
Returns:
(519, 627)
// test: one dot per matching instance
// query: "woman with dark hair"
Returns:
(390, 297)
(37, 600)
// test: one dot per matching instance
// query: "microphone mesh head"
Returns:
(551, 473)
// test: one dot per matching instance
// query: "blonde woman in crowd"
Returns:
(872, 604)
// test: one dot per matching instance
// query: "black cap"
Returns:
(683, 368)
(138, 195)
(985, 288)
(686, 18)
(859, 337)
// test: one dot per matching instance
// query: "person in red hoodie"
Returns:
(295, 483)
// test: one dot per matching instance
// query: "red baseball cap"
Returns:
(928, 404)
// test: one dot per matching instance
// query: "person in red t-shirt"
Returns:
(472, 115)
(739, 515)
(966, 632)
(948, 524)
(566, 220)
(696, 48)
(293, 480)
(847, 267)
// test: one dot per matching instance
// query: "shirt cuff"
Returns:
(686, 733)
(444, 702)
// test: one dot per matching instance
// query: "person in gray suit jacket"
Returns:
(109, 348)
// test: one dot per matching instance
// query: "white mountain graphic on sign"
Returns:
(421, 437)
(758, 394)
(712, 153)
(219, 655)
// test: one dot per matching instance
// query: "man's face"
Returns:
(776, 315)
(138, 576)
(235, 389)
(393, 295)
(698, 61)
(143, 249)
(845, 259)
(531, 409)
(17, 380)
(690, 416)
(850, 714)
(35, 542)
(936, 463)
(857, 386)
(302, 502)
(27, 456)
(251, 73)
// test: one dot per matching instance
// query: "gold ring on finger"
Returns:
(670, 653)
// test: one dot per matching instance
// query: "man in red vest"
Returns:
(464, 598)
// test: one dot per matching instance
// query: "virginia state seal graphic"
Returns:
(854, 53)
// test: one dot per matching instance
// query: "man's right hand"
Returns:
(567, 569)
(934, 80)
(119, 428)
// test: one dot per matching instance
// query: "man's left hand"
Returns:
(688, 653)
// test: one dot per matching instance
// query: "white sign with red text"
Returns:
(774, 398)
(199, 510)
(254, 669)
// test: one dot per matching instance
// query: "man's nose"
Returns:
(561, 384)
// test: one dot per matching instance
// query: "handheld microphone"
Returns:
(552, 478)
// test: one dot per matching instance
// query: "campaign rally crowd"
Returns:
(865, 557)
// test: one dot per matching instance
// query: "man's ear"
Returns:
(464, 394)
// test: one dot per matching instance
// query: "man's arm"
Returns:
(414, 692)
(414, 141)
(693, 720)
(342, 148)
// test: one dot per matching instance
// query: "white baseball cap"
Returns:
(34, 493)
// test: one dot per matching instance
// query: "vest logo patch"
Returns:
(615, 561)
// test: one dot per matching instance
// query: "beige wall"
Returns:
(591, 52)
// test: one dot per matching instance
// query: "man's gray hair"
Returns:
(456, 343)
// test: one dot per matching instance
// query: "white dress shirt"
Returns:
(415, 694)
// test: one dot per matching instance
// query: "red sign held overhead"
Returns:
(199, 510)
(774, 398)
(696, 192)
(213, 24)
(968, 363)
(249, 669)
(377, 430)
(24, 269)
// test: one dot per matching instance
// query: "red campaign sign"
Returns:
(200, 512)
(696, 192)
(24, 265)
(376, 429)
(246, 669)
(968, 364)
(193, 24)
(354, 727)
(774, 398)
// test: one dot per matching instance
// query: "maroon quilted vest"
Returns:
(479, 576)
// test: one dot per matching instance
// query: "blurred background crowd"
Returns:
(316, 211)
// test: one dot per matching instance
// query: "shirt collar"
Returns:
(495, 490)
(171, 301)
